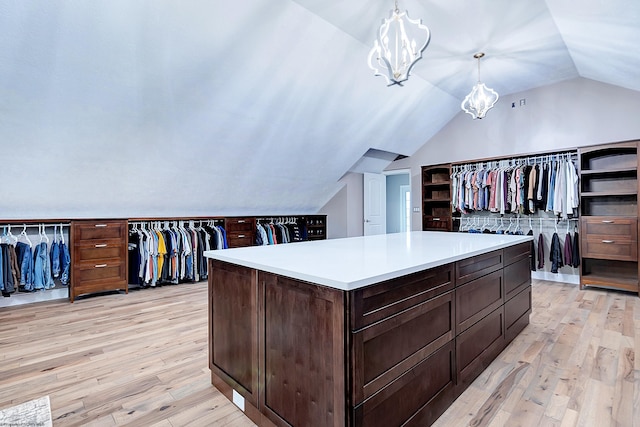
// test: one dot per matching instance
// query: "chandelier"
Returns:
(481, 99)
(396, 50)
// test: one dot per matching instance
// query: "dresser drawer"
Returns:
(609, 228)
(613, 247)
(476, 299)
(100, 271)
(240, 239)
(100, 230)
(240, 224)
(100, 249)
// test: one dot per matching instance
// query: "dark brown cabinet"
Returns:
(397, 352)
(99, 254)
(609, 221)
(241, 231)
(316, 227)
(436, 198)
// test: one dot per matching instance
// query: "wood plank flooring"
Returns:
(141, 360)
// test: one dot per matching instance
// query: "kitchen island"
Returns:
(368, 331)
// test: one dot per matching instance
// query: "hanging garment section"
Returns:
(562, 251)
(29, 267)
(274, 231)
(172, 252)
(524, 185)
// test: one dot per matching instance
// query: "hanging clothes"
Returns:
(555, 253)
(540, 251)
(568, 260)
(575, 251)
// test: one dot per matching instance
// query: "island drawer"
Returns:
(478, 346)
(384, 350)
(516, 253)
(478, 266)
(517, 276)
(476, 299)
(516, 313)
(374, 303)
(417, 398)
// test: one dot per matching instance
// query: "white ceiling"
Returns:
(262, 105)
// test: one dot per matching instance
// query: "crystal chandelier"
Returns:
(396, 50)
(481, 99)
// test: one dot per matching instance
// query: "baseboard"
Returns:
(573, 279)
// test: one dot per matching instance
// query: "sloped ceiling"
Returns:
(158, 107)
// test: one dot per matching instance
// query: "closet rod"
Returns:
(515, 161)
(42, 224)
(571, 151)
(522, 218)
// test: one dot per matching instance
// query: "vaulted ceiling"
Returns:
(262, 105)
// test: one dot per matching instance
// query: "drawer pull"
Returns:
(608, 241)
(101, 225)
(241, 221)
(608, 221)
(241, 236)
(100, 265)
(436, 219)
(102, 245)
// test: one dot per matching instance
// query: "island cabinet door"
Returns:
(233, 333)
(302, 352)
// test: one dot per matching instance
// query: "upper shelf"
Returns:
(612, 171)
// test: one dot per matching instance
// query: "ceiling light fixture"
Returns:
(481, 99)
(396, 50)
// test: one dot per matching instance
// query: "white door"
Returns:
(405, 208)
(375, 204)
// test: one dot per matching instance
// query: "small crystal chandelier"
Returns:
(395, 52)
(481, 99)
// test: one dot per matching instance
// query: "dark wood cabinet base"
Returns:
(394, 353)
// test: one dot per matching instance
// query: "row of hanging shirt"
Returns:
(164, 253)
(278, 231)
(28, 269)
(550, 184)
(560, 254)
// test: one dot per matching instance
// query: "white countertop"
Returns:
(356, 262)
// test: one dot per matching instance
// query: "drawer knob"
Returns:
(101, 225)
(608, 241)
(608, 221)
(100, 265)
(102, 245)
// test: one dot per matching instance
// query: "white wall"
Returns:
(565, 115)
(394, 211)
(345, 210)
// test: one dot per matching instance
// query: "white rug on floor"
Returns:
(33, 413)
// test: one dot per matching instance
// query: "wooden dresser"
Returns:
(609, 220)
(99, 254)
(241, 231)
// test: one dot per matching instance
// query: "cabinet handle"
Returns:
(608, 241)
(101, 225)
(102, 245)
(240, 236)
(436, 219)
(100, 265)
(241, 221)
(608, 221)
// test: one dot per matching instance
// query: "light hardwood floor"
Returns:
(141, 359)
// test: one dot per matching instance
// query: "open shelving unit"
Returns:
(609, 210)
